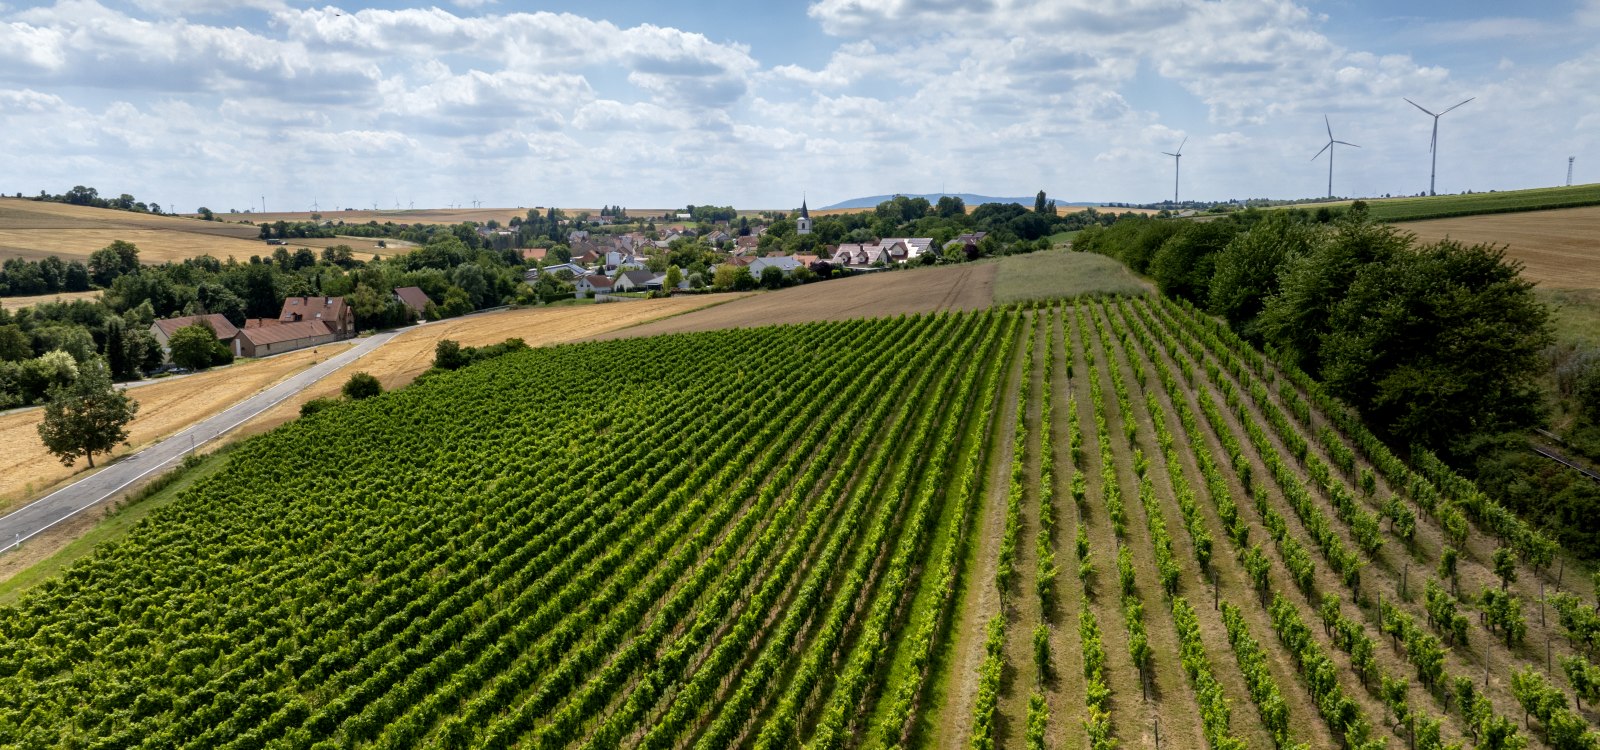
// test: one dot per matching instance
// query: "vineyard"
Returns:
(1090, 524)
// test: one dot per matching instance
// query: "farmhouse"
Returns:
(414, 298)
(333, 311)
(262, 337)
(163, 330)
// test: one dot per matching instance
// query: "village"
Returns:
(611, 266)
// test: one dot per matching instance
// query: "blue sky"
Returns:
(650, 104)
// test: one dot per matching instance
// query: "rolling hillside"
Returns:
(955, 529)
(36, 229)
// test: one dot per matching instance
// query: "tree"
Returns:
(1439, 345)
(1040, 205)
(1248, 268)
(447, 355)
(674, 278)
(206, 214)
(950, 206)
(105, 265)
(1297, 318)
(14, 344)
(194, 347)
(121, 359)
(362, 385)
(87, 416)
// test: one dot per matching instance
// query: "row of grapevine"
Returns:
(1263, 689)
(993, 666)
(1215, 713)
(1260, 684)
(1433, 486)
(925, 639)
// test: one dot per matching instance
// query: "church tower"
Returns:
(803, 224)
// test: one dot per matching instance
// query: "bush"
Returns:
(315, 405)
(362, 385)
(447, 355)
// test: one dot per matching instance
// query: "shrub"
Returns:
(362, 385)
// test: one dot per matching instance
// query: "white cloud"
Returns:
(999, 96)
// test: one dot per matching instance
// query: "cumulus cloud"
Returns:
(1078, 96)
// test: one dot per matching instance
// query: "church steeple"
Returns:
(802, 225)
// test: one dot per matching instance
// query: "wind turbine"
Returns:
(1177, 159)
(1329, 148)
(1433, 146)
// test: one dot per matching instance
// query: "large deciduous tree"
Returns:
(86, 416)
(194, 346)
(1439, 344)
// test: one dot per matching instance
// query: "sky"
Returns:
(650, 104)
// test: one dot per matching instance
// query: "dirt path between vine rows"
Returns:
(979, 600)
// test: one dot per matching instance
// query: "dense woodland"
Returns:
(1442, 346)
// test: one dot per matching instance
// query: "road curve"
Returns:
(39, 515)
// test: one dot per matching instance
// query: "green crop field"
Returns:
(1088, 523)
(1444, 206)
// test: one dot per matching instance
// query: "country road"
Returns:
(28, 521)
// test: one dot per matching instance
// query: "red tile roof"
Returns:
(312, 308)
(273, 334)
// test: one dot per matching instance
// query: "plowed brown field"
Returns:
(1558, 248)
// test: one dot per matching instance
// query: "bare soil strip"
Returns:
(979, 600)
(1065, 691)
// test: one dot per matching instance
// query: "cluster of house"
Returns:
(864, 256)
(303, 322)
(602, 264)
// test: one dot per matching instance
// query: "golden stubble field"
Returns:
(34, 229)
(1558, 249)
(14, 303)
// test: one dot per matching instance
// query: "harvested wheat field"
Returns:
(33, 229)
(918, 290)
(165, 408)
(1558, 248)
(402, 216)
(15, 303)
(411, 353)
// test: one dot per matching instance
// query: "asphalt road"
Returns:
(28, 521)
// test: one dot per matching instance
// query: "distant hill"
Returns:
(968, 198)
